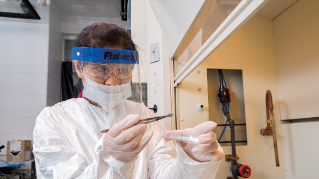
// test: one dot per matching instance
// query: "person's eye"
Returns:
(123, 70)
(101, 69)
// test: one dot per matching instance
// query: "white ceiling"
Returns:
(274, 8)
(90, 8)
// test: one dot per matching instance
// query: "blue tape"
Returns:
(104, 55)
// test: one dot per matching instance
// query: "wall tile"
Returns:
(6, 114)
(23, 47)
(23, 69)
(18, 80)
(22, 91)
(23, 58)
(16, 136)
(20, 113)
(11, 24)
(12, 35)
(29, 102)
(17, 125)
(7, 102)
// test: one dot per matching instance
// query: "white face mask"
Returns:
(106, 96)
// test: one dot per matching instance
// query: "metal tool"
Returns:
(145, 121)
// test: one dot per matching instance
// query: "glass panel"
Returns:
(210, 18)
(68, 45)
(11, 6)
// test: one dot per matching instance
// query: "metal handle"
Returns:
(271, 130)
(275, 139)
(269, 107)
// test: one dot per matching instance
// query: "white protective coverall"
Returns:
(68, 144)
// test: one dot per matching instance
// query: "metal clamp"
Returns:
(229, 158)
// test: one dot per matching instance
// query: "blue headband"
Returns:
(104, 55)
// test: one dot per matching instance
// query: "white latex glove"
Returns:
(125, 140)
(207, 149)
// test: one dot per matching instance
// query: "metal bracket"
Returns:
(230, 158)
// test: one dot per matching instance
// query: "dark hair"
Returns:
(103, 35)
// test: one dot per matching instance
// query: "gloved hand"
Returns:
(207, 149)
(125, 140)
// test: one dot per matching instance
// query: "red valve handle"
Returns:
(245, 171)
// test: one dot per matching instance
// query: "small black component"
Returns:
(2, 147)
(154, 108)
(124, 10)
(223, 93)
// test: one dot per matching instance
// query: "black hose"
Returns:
(224, 100)
(221, 84)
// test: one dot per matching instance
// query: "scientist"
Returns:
(67, 139)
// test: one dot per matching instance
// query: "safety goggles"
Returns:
(103, 71)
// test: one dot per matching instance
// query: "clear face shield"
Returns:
(110, 76)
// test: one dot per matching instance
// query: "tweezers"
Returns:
(145, 121)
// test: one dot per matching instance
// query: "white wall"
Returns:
(74, 24)
(25, 72)
(146, 31)
(296, 44)
(301, 149)
(158, 76)
(297, 56)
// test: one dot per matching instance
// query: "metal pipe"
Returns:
(271, 130)
(275, 140)
(234, 165)
(232, 133)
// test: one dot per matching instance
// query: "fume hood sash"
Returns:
(242, 13)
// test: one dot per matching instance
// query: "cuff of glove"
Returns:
(183, 157)
(102, 154)
(193, 168)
